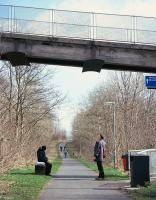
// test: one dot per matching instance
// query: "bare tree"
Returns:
(28, 101)
(135, 115)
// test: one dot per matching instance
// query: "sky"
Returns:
(71, 80)
(74, 83)
(132, 7)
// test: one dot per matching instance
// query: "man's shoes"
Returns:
(99, 179)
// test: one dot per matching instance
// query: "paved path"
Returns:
(76, 182)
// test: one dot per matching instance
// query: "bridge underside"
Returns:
(90, 55)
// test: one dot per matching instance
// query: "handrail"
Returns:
(67, 24)
(41, 8)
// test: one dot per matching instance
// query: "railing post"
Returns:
(15, 21)
(134, 38)
(11, 19)
(93, 26)
(136, 30)
(127, 35)
(52, 22)
(49, 22)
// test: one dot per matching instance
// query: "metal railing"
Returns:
(81, 25)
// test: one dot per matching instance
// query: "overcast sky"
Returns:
(71, 80)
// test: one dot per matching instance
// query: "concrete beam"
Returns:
(75, 52)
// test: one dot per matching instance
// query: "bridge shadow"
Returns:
(86, 188)
(56, 177)
(73, 177)
(72, 164)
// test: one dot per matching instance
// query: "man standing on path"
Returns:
(99, 155)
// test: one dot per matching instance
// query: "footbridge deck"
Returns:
(89, 40)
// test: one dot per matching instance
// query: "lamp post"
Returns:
(114, 130)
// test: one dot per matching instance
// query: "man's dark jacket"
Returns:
(41, 156)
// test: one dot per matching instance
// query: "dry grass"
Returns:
(52, 151)
(5, 187)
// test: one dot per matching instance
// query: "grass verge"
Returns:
(144, 193)
(24, 184)
(110, 173)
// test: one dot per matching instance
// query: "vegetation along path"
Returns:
(75, 181)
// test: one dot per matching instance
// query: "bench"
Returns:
(40, 168)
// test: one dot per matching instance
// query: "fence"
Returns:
(73, 24)
(152, 158)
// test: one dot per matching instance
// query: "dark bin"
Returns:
(140, 173)
(125, 162)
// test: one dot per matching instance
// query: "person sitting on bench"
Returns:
(41, 156)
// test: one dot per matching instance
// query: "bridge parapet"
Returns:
(78, 25)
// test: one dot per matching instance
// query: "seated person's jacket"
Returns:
(41, 156)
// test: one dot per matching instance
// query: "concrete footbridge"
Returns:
(93, 41)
